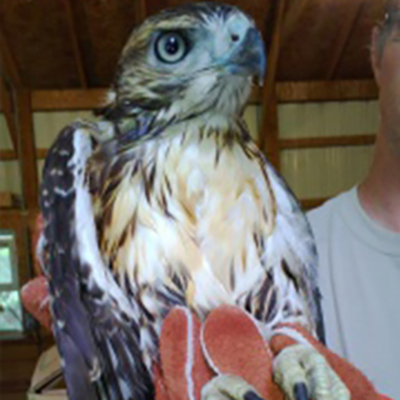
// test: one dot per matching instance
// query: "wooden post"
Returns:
(9, 112)
(8, 64)
(269, 137)
(27, 157)
(140, 11)
(269, 140)
(10, 78)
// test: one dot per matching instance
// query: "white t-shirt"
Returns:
(360, 285)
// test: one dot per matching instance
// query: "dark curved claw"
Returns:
(250, 395)
(300, 391)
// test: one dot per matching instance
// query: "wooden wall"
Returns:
(17, 363)
(317, 121)
(19, 356)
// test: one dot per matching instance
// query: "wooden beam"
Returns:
(353, 11)
(270, 131)
(269, 136)
(8, 63)
(86, 99)
(331, 141)
(11, 155)
(28, 160)
(53, 100)
(140, 10)
(75, 43)
(8, 155)
(292, 18)
(284, 144)
(9, 113)
(286, 92)
(319, 91)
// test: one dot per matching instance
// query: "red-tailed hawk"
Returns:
(169, 202)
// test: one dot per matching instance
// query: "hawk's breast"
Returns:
(194, 207)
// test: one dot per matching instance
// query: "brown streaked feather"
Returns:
(196, 229)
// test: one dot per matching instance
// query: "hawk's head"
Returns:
(188, 60)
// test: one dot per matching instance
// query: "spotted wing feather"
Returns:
(94, 322)
(299, 254)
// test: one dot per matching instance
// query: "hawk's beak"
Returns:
(250, 56)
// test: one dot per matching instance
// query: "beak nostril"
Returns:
(234, 37)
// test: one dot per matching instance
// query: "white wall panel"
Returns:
(10, 177)
(328, 119)
(5, 140)
(320, 173)
(47, 125)
(312, 173)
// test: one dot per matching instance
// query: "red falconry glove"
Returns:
(229, 343)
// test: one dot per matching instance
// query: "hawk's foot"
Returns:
(303, 373)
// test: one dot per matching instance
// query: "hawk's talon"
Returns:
(300, 391)
(229, 387)
(250, 395)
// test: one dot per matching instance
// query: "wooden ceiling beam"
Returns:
(28, 161)
(9, 112)
(84, 99)
(11, 155)
(8, 63)
(75, 43)
(140, 10)
(292, 17)
(269, 134)
(284, 144)
(330, 141)
(353, 12)
(8, 155)
(321, 91)
(286, 92)
(71, 99)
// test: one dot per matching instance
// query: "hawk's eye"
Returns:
(171, 47)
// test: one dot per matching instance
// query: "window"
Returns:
(11, 318)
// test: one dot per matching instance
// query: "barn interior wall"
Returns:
(312, 173)
(10, 178)
(325, 172)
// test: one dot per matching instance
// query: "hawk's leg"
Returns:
(300, 371)
(303, 373)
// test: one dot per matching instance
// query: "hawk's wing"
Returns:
(294, 236)
(94, 324)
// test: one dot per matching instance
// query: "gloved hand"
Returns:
(229, 343)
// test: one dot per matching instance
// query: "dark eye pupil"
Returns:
(172, 45)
